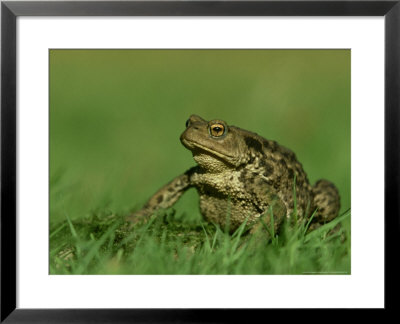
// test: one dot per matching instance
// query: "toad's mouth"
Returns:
(197, 148)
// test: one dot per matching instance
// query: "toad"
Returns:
(241, 176)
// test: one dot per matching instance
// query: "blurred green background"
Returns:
(116, 117)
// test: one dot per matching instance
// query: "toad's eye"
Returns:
(187, 123)
(217, 130)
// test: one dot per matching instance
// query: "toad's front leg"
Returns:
(165, 197)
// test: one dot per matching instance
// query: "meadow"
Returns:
(115, 121)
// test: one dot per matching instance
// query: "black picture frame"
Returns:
(10, 10)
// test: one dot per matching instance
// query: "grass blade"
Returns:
(315, 233)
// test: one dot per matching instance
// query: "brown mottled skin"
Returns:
(244, 175)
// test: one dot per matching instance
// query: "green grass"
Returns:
(106, 244)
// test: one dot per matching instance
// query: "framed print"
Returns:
(161, 158)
